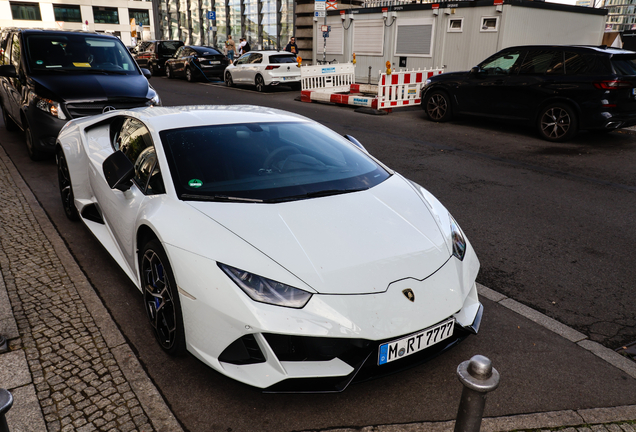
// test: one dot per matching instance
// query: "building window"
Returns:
(489, 24)
(368, 37)
(26, 11)
(105, 15)
(456, 25)
(141, 16)
(67, 13)
(414, 38)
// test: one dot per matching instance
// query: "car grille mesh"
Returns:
(77, 110)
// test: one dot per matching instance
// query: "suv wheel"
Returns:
(34, 153)
(437, 106)
(169, 73)
(557, 122)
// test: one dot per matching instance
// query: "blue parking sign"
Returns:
(211, 15)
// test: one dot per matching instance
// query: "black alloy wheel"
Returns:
(259, 82)
(66, 188)
(557, 122)
(34, 153)
(228, 79)
(437, 106)
(161, 298)
(8, 122)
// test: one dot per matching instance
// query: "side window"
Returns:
(135, 142)
(503, 64)
(244, 59)
(541, 62)
(256, 58)
(6, 50)
(577, 63)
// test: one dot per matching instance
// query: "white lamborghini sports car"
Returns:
(276, 251)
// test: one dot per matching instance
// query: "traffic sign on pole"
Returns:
(212, 15)
(320, 14)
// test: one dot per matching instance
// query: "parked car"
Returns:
(558, 89)
(48, 77)
(196, 62)
(263, 69)
(278, 252)
(153, 54)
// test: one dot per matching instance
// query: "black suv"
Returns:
(558, 89)
(48, 77)
(153, 54)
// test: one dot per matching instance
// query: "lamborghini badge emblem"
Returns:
(408, 293)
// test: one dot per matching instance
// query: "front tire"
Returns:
(228, 79)
(259, 82)
(437, 106)
(65, 186)
(169, 73)
(557, 122)
(161, 298)
(34, 153)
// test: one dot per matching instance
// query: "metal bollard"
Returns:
(369, 80)
(6, 401)
(478, 377)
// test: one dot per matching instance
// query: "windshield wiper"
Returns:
(316, 194)
(222, 198)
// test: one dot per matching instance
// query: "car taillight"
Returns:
(613, 85)
(270, 67)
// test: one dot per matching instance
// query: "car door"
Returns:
(15, 87)
(539, 76)
(254, 66)
(482, 91)
(240, 72)
(121, 208)
(177, 62)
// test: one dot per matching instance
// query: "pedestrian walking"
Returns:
(231, 47)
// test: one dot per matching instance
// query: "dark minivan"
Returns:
(558, 89)
(48, 77)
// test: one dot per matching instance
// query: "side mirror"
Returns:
(356, 143)
(8, 71)
(146, 73)
(475, 70)
(118, 171)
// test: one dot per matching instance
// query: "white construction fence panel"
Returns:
(402, 88)
(330, 78)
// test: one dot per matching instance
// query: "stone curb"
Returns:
(149, 397)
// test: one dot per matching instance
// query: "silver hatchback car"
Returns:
(263, 69)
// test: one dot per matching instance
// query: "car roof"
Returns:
(165, 118)
(270, 52)
(63, 32)
(597, 48)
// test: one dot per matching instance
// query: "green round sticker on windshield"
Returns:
(39, 62)
(195, 183)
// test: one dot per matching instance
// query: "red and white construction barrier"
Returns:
(335, 84)
(403, 88)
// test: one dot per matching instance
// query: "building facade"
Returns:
(103, 16)
(622, 15)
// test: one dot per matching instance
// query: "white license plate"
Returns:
(214, 62)
(416, 342)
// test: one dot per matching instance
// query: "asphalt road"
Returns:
(551, 224)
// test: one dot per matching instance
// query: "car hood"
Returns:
(88, 87)
(356, 243)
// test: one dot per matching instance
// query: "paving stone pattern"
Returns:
(77, 380)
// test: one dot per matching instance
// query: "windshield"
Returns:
(268, 162)
(282, 59)
(78, 53)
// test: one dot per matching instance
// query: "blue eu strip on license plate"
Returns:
(416, 342)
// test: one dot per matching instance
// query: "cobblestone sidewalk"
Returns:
(62, 371)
